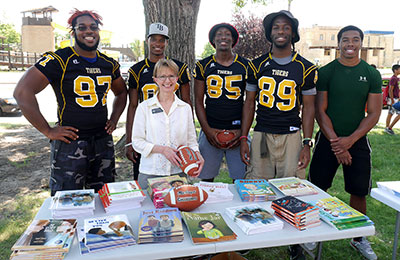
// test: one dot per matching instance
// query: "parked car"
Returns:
(8, 106)
(385, 91)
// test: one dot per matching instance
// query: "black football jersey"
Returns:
(141, 78)
(224, 90)
(81, 88)
(279, 92)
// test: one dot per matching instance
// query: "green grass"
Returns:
(385, 160)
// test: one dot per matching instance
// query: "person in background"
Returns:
(393, 96)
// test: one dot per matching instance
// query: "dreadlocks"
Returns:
(76, 13)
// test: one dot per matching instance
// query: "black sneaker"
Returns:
(296, 252)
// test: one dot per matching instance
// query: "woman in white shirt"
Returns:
(163, 123)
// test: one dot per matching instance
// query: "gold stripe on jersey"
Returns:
(201, 68)
(113, 64)
(60, 61)
(61, 112)
(134, 75)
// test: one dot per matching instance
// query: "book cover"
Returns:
(337, 212)
(46, 234)
(160, 225)
(117, 191)
(217, 191)
(108, 229)
(253, 218)
(73, 200)
(252, 188)
(159, 187)
(207, 227)
(293, 206)
(293, 186)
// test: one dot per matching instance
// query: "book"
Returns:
(253, 219)
(293, 186)
(254, 190)
(340, 215)
(393, 187)
(217, 191)
(207, 227)
(73, 203)
(160, 226)
(108, 232)
(47, 234)
(160, 186)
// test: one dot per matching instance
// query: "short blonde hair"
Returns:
(167, 64)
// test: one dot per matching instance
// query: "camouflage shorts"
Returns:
(85, 163)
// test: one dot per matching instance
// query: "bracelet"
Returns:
(128, 144)
(307, 139)
(243, 137)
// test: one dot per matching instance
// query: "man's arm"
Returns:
(308, 113)
(185, 93)
(326, 126)
(247, 120)
(391, 94)
(118, 87)
(130, 115)
(31, 83)
(199, 87)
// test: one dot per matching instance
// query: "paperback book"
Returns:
(207, 227)
(217, 191)
(253, 219)
(293, 186)
(73, 203)
(254, 190)
(160, 186)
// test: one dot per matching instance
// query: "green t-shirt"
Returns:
(348, 89)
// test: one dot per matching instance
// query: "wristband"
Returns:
(128, 144)
(243, 137)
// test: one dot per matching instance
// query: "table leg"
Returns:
(396, 234)
(319, 252)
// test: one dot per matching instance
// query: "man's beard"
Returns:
(85, 47)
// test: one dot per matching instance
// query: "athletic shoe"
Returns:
(310, 246)
(389, 131)
(296, 252)
(364, 248)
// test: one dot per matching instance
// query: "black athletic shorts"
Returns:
(357, 176)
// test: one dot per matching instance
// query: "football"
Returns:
(224, 137)
(186, 197)
(189, 160)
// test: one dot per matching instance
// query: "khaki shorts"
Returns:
(280, 156)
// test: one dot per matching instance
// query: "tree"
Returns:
(242, 3)
(208, 50)
(252, 42)
(8, 31)
(137, 48)
(181, 17)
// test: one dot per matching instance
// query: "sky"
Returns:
(125, 18)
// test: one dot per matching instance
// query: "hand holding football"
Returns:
(224, 137)
(189, 160)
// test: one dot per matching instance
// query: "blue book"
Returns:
(254, 190)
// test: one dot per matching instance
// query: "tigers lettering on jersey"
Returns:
(224, 89)
(141, 78)
(81, 88)
(279, 92)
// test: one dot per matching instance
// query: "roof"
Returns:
(41, 10)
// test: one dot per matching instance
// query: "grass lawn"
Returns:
(18, 215)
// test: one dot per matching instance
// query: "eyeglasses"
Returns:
(84, 28)
(164, 78)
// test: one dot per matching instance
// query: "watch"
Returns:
(308, 142)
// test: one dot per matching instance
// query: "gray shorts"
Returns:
(213, 157)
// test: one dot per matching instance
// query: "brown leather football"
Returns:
(224, 137)
(189, 160)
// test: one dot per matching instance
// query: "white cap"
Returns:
(158, 28)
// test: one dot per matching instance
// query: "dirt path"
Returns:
(25, 163)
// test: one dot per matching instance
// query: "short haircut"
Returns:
(350, 28)
(164, 63)
(395, 67)
(75, 14)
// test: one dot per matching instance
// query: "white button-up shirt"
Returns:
(153, 126)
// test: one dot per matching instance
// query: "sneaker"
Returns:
(310, 246)
(364, 248)
(296, 252)
(389, 131)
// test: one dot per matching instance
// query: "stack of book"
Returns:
(300, 214)
(217, 191)
(159, 187)
(253, 219)
(254, 190)
(124, 195)
(293, 186)
(207, 227)
(73, 203)
(340, 215)
(160, 226)
(45, 239)
(392, 187)
(107, 232)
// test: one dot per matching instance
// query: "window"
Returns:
(332, 37)
(327, 52)
(321, 37)
(375, 52)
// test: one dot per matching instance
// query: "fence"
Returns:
(15, 59)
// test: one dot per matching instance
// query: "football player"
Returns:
(142, 86)
(82, 150)
(283, 83)
(221, 79)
